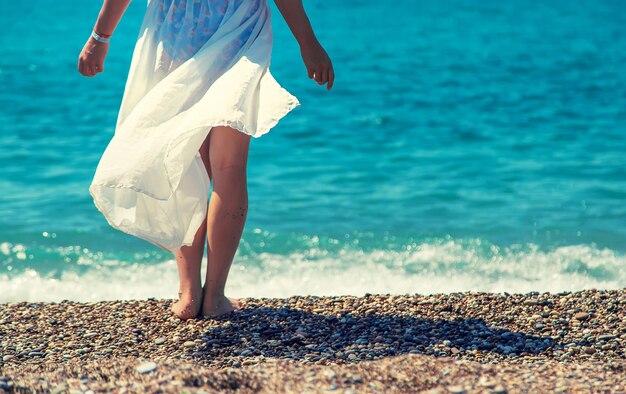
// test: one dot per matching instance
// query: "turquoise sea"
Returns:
(466, 145)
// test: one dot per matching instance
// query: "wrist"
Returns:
(95, 42)
(99, 38)
(307, 41)
(101, 33)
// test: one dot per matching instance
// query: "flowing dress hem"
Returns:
(292, 103)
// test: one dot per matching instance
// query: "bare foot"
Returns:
(187, 306)
(220, 306)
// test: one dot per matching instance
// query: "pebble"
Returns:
(589, 350)
(485, 382)
(581, 316)
(329, 374)
(8, 357)
(146, 367)
(160, 341)
(58, 389)
(189, 344)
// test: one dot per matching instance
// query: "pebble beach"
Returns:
(439, 343)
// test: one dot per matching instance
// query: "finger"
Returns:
(318, 74)
(85, 69)
(310, 72)
(324, 75)
(80, 66)
(331, 78)
(90, 70)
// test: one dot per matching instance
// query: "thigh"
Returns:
(228, 148)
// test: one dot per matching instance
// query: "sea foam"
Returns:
(424, 268)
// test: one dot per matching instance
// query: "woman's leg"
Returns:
(189, 261)
(227, 213)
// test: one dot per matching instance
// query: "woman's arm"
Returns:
(91, 58)
(316, 60)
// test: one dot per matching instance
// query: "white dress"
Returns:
(196, 64)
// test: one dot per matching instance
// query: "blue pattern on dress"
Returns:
(186, 25)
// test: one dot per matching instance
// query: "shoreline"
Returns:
(451, 342)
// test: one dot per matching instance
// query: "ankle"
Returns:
(213, 298)
(189, 291)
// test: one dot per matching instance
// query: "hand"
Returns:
(318, 64)
(91, 59)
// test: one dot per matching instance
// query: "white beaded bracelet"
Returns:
(98, 37)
